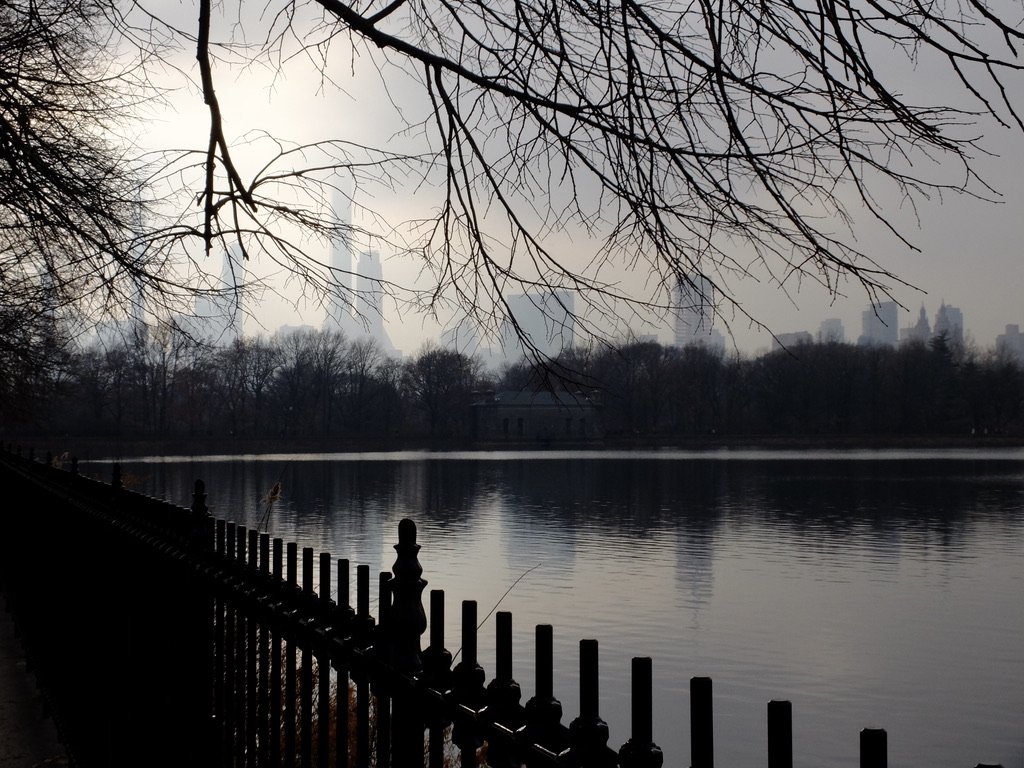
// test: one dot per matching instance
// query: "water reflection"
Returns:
(866, 591)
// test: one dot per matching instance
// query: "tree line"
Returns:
(320, 385)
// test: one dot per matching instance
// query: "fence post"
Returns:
(230, 659)
(381, 688)
(363, 627)
(468, 676)
(290, 687)
(242, 623)
(504, 693)
(468, 686)
(544, 711)
(263, 684)
(780, 734)
(588, 733)
(408, 622)
(306, 680)
(203, 613)
(343, 602)
(702, 740)
(344, 617)
(437, 662)
(364, 622)
(641, 751)
(274, 710)
(873, 748)
(381, 642)
(323, 664)
(251, 660)
(219, 612)
(325, 580)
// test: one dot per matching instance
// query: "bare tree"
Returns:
(701, 138)
(70, 191)
(714, 139)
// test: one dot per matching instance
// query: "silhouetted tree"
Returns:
(263, 360)
(674, 139)
(33, 356)
(70, 181)
(698, 391)
(358, 385)
(440, 384)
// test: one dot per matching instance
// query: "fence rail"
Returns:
(161, 636)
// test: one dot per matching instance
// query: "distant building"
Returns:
(114, 334)
(921, 331)
(831, 331)
(880, 325)
(288, 330)
(949, 321)
(370, 301)
(790, 340)
(1011, 343)
(341, 301)
(218, 315)
(542, 322)
(693, 307)
(463, 337)
(132, 330)
(535, 418)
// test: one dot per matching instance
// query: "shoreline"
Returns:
(98, 449)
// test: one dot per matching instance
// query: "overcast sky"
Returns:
(970, 250)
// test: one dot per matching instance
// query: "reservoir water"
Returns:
(868, 588)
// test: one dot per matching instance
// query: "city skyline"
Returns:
(828, 330)
(963, 249)
(366, 314)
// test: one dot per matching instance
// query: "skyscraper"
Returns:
(949, 321)
(341, 300)
(831, 331)
(921, 331)
(693, 308)
(220, 312)
(880, 325)
(1011, 343)
(370, 300)
(545, 321)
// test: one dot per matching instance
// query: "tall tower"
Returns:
(693, 302)
(880, 325)
(340, 301)
(370, 299)
(546, 321)
(219, 316)
(233, 279)
(831, 331)
(949, 321)
(921, 331)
